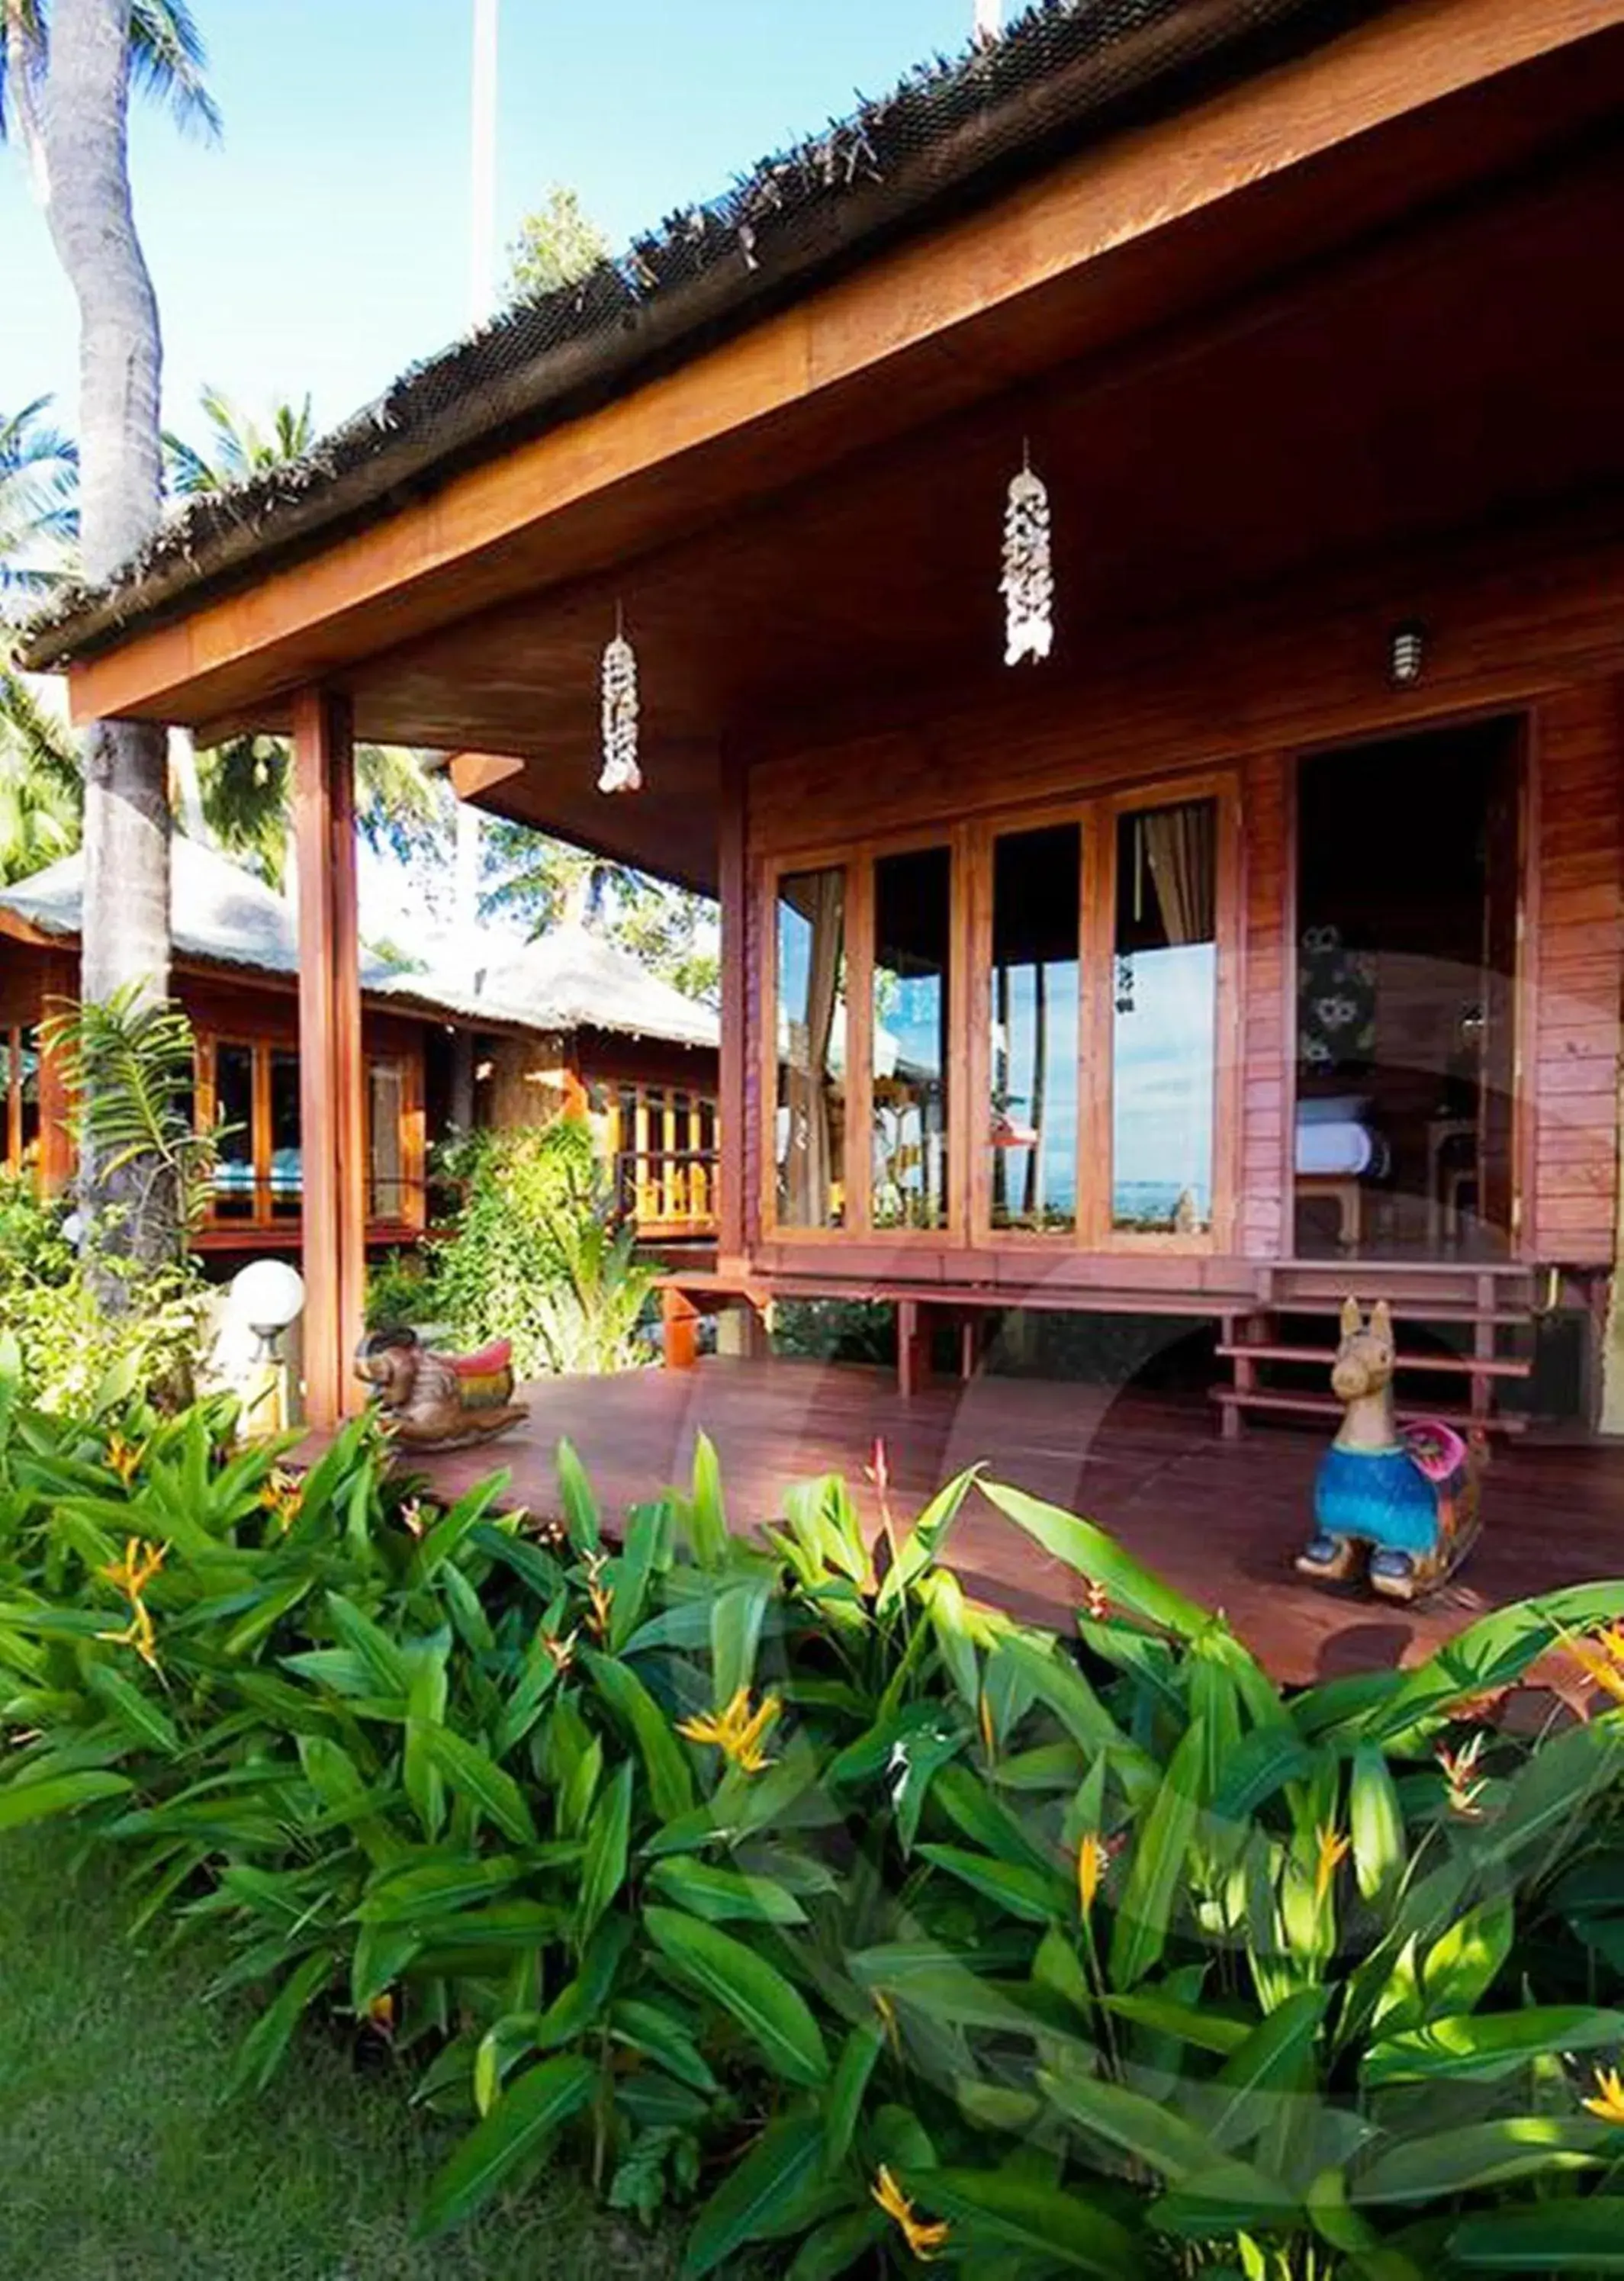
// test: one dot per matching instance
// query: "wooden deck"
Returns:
(1221, 1520)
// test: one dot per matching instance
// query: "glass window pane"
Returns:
(810, 1129)
(386, 1157)
(233, 1109)
(1164, 1028)
(913, 899)
(1037, 899)
(286, 1174)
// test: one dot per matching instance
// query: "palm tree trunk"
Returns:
(87, 206)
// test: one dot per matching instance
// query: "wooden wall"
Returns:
(1532, 630)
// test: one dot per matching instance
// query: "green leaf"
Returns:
(1023, 1892)
(838, 2244)
(649, 2028)
(640, 1549)
(1141, 2127)
(1267, 2074)
(844, 2104)
(580, 1505)
(720, 1894)
(670, 1784)
(1462, 1964)
(1375, 1823)
(754, 2195)
(385, 1663)
(1555, 2237)
(1009, 2209)
(38, 1801)
(1209, 2030)
(756, 1994)
(136, 1712)
(425, 1711)
(476, 1777)
(603, 1871)
(518, 2126)
(436, 1889)
(1491, 2045)
(925, 1539)
(264, 2047)
(706, 1515)
(1156, 1870)
(1092, 1554)
(734, 1632)
(1479, 2154)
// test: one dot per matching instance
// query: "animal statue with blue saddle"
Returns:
(1403, 1500)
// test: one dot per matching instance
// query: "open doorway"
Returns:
(1408, 877)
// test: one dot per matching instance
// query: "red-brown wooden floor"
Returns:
(1221, 1520)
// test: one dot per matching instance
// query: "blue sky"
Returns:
(324, 244)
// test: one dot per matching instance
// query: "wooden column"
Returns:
(332, 1076)
(59, 989)
(732, 1138)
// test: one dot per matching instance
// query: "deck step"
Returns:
(1462, 1365)
(1326, 1405)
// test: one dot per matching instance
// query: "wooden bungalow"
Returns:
(1263, 937)
(569, 1022)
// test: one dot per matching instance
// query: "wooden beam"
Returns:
(332, 1106)
(632, 473)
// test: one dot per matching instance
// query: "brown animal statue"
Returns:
(1406, 1498)
(433, 1401)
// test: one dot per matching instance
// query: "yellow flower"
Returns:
(987, 1737)
(1609, 2103)
(123, 1457)
(561, 1651)
(1332, 1849)
(1091, 1857)
(1600, 1656)
(282, 1495)
(736, 1732)
(600, 1594)
(924, 2241)
(132, 1575)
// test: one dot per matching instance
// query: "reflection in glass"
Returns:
(385, 1163)
(913, 896)
(1037, 893)
(1165, 1029)
(809, 1128)
(233, 1109)
(286, 1170)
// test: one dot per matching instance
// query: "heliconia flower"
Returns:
(1095, 1602)
(1459, 1773)
(924, 2240)
(132, 1575)
(599, 1595)
(381, 2014)
(1333, 1850)
(561, 1651)
(877, 1470)
(985, 1711)
(283, 1495)
(1092, 1856)
(1600, 1656)
(736, 1732)
(1609, 2101)
(124, 1456)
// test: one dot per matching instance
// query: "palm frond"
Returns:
(168, 61)
(39, 498)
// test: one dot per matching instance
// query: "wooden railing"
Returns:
(662, 1148)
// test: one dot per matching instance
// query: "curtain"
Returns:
(1180, 845)
(808, 1170)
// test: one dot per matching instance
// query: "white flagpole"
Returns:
(481, 181)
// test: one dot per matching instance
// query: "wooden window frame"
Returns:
(970, 845)
(856, 859)
(263, 1221)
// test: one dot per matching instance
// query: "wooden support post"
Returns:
(56, 1135)
(913, 1346)
(681, 1317)
(728, 1199)
(332, 1076)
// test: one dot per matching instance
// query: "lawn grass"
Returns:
(118, 2162)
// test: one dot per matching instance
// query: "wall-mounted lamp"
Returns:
(1406, 653)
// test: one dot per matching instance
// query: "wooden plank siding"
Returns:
(1572, 1063)
(1303, 673)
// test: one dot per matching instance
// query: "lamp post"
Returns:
(269, 1294)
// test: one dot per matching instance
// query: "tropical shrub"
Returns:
(536, 1253)
(774, 1874)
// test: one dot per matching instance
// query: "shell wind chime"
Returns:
(1028, 581)
(620, 772)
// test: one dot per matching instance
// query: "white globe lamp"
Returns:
(269, 1294)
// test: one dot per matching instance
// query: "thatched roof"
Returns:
(953, 135)
(225, 916)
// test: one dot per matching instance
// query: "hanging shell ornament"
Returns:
(620, 772)
(1028, 583)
